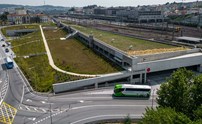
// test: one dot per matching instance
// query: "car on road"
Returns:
(6, 50)
(8, 43)
(3, 45)
(2, 39)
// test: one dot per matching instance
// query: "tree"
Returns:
(127, 120)
(3, 17)
(182, 92)
(196, 93)
(198, 113)
(72, 9)
(164, 116)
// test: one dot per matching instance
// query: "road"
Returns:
(74, 108)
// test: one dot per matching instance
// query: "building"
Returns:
(127, 15)
(137, 68)
(20, 11)
(22, 17)
(150, 16)
(18, 19)
(27, 18)
(100, 11)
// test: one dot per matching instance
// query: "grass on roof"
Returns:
(73, 56)
(121, 42)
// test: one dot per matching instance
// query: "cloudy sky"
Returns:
(80, 3)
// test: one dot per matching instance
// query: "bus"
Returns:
(132, 90)
(9, 63)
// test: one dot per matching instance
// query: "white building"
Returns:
(20, 11)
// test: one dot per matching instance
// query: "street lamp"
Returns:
(153, 97)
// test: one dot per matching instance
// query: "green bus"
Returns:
(132, 90)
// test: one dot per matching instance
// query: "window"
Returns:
(118, 90)
(136, 76)
(131, 89)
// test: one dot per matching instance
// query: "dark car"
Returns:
(2, 39)
(6, 50)
(3, 45)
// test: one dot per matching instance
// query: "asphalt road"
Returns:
(74, 108)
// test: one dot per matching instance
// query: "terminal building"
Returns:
(137, 68)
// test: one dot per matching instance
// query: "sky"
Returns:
(81, 3)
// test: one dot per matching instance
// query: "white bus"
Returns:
(9, 63)
(132, 90)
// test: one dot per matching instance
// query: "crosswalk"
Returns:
(7, 113)
(4, 90)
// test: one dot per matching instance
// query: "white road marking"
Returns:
(90, 106)
(35, 109)
(29, 100)
(99, 116)
(33, 119)
(101, 92)
(27, 108)
(23, 92)
(43, 110)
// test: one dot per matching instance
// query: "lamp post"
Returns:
(153, 97)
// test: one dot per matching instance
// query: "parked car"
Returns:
(8, 43)
(6, 50)
(3, 45)
(2, 39)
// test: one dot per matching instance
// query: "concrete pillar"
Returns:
(96, 85)
(69, 29)
(90, 41)
(145, 78)
(199, 68)
(122, 64)
(106, 84)
(131, 79)
(141, 78)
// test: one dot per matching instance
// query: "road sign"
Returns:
(148, 70)
(7, 113)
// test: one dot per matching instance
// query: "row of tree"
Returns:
(179, 100)
(3, 17)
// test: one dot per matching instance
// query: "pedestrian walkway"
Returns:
(51, 62)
